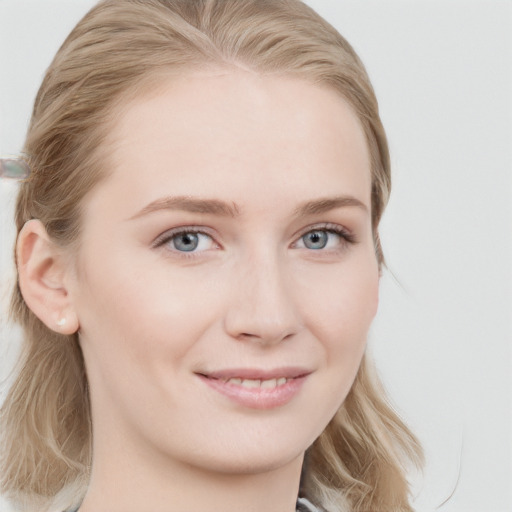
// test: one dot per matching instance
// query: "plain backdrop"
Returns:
(442, 71)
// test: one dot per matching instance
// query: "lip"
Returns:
(257, 397)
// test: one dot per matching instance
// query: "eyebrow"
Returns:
(329, 203)
(221, 208)
(189, 204)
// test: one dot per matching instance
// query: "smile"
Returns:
(257, 390)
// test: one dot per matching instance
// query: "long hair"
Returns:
(121, 49)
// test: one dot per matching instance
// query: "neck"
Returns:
(125, 480)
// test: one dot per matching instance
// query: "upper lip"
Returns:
(289, 372)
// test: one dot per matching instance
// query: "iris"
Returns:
(315, 239)
(186, 242)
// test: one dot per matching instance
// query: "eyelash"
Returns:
(167, 237)
(347, 238)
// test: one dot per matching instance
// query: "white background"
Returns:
(442, 71)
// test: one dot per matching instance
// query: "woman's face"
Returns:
(227, 276)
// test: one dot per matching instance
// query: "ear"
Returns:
(42, 271)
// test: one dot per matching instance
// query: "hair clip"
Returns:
(15, 168)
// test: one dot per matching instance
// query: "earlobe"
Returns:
(42, 269)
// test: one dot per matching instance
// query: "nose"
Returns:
(262, 307)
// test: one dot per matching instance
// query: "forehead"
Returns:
(229, 131)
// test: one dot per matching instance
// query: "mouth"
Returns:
(257, 389)
(257, 383)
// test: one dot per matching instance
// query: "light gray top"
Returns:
(304, 505)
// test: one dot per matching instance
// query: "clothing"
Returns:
(304, 505)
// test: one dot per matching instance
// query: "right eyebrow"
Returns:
(190, 204)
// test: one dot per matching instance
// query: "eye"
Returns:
(186, 240)
(324, 238)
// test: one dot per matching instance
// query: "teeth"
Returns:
(249, 383)
(257, 383)
(272, 383)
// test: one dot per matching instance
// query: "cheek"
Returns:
(142, 317)
(138, 329)
(339, 315)
(341, 311)
(142, 311)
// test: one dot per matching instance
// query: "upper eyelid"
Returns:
(325, 226)
(170, 233)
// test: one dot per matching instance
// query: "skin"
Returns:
(153, 319)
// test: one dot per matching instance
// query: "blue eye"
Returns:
(328, 238)
(316, 239)
(186, 241)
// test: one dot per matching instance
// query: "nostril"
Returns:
(247, 335)
(264, 338)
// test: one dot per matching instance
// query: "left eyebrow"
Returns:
(329, 203)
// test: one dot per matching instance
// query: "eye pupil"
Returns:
(186, 242)
(315, 239)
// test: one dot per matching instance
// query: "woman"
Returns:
(198, 264)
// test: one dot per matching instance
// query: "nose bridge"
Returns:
(262, 306)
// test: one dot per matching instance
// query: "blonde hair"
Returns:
(118, 49)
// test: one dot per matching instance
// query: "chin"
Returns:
(252, 463)
(262, 452)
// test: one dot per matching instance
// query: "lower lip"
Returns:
(257, 398)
